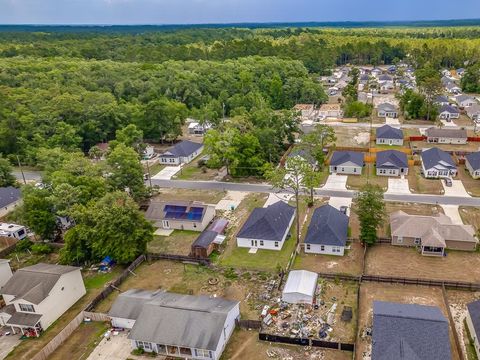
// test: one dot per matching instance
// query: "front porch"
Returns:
(27, 324)
(433, 251)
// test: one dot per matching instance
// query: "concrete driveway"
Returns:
(118, 348)
(7, 343)
(452, 212)
(457, 189)
(274, 198)
(337, 202)
(398, 186)
(167, 173)
(336, 182)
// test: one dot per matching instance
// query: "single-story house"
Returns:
(473, 112)
(304, 154)
(453, 88)
(267, 228)
(431, 234)
(437, 163)
(180, 215)
(327, 232)
(148, 153)
(347, 162)
(472, 163)
(441, 100)
(363, 79)
(376, 72)
(179, 326)
(306, 110)
(300, 287)
(5, 272)
(473, 324)
(40, 294)
(448, 112)
(209, 239)
(446, 135)
(465, 101)
(13, 230)
(391, 163)
(387, 134)
(182, 153)
(409, 331)
(10, 198)
(387, 110)
(195, 128)
(331, 110)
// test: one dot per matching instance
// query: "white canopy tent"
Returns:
(300, 287)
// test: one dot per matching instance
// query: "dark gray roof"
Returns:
(387, 107)
(389, 132)
(434, 156)
(8, 195)
(342, 157)
(463, 97)
(205, 239)
(446, 132)
(129, 304)
(385, 77)
(183, 149)
(268, 223)
(441, 99)
(409, 331)
(304, 154)
(474, 311)
(474, 160)
(449, 108)
(24, 319)
(183, 320)
(9, 309)
(34, 283)
(328, 226)
(391, 159)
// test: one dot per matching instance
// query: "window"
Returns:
(399, 239)
(417, 241)
(26, 307)
(322, 248)
(354, 170)
(308, 246)
(161, 349)
(144, 345)
(185, 351)
(203, 353)
(276, 243)
(194, 225)
(261, 242)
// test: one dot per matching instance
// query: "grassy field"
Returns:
(155, 168)
(192, 171)
(179, 242)
(368, 176)
(207, 196)
(470, 215)
(418, 184)
(471, 185)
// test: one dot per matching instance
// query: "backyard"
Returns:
(179, 242)
(172, 194)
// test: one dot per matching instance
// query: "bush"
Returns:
(23, 245)
(41, 249)
(230, 273)
(138, 351)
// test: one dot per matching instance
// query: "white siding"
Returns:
(475, 174)
(473, 334)
(391, 172)
(397, 142)
(324, 249)
(5, 273)
(228, 327)
(348, 170)
(297, 298)
(10, 207)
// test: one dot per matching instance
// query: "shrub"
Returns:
(41, 249)
(23, 245)
(138, 351)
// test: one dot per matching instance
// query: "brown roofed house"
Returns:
(431, 234)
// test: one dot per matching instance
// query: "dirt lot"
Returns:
(207, 196)
(389, 260)
(245, 345)
(458, 301)
(351, 263)
(470, 215)
(179, 242)
(398, 293)
(418, 184)
(471, 185)
(352, 136)
(81, 343)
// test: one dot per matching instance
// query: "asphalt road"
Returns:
(30, 175)
(265, 188)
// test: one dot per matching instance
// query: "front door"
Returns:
(166, 224)
(254, 243)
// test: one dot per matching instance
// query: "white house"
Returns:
(446, 136)
(195, 128)
(330, 110)
(473, 324)
(300, 287)
(10, 198)
(448, 112)
(388, 135)
(149, 152)
(391, 163)
(267, 228)
(465, 101)
(182, 153)
(387, 110)
(327, 232)
(180, 215)
(38, 295)
(453, 88)
(473, 112)
(5, 272)
(180, 326)
(347, 162)
(472, 163)
(436, 163)
(13, 230)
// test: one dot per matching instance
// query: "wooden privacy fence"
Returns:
(425, 282)
(9, 243)
(174, 257)
(249, 324)
(307, 342)
(452, 324)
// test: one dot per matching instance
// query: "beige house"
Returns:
(5, 272)
(431, 234)
(307, 111)
(331, 110)
(446, 136)
(37, 295)
(180, 215)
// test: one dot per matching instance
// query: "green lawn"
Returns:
(179, 242)
(267, 260)
(98, 280)
(155, 169)
(368, 176)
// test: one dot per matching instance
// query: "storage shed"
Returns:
(300, 287)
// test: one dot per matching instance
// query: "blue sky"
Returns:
(222, 11)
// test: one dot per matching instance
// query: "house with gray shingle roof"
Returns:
(409, 331)
(182, 153)
(389, 135)
(347, 162)
(472, 163)
(10, 198)
(453, 88)
(473, 112)
(391, 163)
(179, 326)
(268, 227)
(446, 135)
(465, 100)
(437, 163)
(448, 112)
(441, 100)
(387, 110)
(327, 232)
(40, 294)
(473, 324)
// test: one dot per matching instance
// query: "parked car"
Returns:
(448, 182)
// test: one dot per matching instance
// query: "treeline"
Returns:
(71, 104)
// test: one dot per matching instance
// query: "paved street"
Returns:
(265, 188)
(30, 175)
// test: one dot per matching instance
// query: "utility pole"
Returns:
(21, 170)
